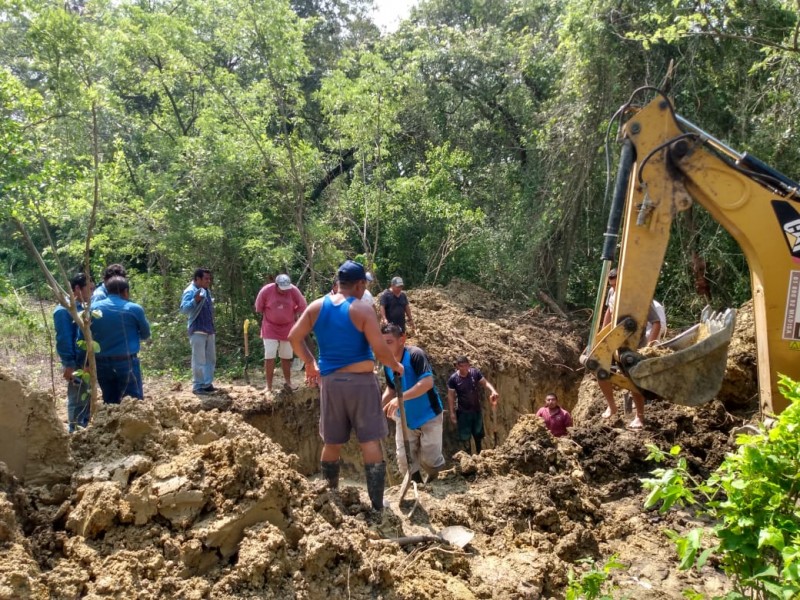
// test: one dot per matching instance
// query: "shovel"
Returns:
(455, 535)
(246, 351)
(398, 388)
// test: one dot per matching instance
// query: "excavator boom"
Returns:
(667, 164)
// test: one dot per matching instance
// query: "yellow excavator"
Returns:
(666, 164)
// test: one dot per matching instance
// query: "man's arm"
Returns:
(451, 404)
(189, 300)
(383, 302)
(259, 303)
(66, 337)
(144, 325)
(655, 331)
(362, 318)
(409, 318)
(493, 395)
(297, 337)
(300, 303)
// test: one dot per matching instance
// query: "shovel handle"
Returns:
(246, 340)
(398, 389)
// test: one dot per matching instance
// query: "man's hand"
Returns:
(453, 418)
(312, 374)
(493, 398)
(68, 373)
(199, 295)
(391, 407)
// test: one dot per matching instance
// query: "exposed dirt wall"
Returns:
(33, 443)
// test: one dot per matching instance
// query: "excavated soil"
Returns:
(175, 497)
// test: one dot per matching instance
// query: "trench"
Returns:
(292, 420)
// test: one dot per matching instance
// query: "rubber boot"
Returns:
(330, 471)
(478, 445)
(376, 477)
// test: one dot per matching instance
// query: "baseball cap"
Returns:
(398, 281)
(284, 282)
(369, 276)
(350, 270)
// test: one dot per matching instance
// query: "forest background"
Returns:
(256, 137)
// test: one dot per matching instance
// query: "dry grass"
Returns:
(28, 348)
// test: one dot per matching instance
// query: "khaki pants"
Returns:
(425, 444)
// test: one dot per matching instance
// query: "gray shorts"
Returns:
(351, 401)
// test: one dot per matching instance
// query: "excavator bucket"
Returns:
(691, 373)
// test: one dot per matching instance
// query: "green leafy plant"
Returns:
(753, 498)
(593, 584)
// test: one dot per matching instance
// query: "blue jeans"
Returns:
(119, 377)
(204, 359)
(78, 404)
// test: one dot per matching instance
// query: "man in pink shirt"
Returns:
(280, 304)
(556, 419)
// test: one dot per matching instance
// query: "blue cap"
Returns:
(350, 270)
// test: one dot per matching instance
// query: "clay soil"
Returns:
(175, 497)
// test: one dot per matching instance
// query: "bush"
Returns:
(753, 499)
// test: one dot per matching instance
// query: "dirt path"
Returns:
(178, 498)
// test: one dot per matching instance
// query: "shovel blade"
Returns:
(692, 375)
(457, 535)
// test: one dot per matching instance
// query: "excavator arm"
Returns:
(667, 164)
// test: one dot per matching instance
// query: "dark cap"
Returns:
(612, 274)
(350, 270)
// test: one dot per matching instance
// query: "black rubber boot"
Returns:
(330, 471)
(376, 477)
(478, 445)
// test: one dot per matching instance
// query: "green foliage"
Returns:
(753, 498)
(254, 137)
(594, 583)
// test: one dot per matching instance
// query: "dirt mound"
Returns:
(169, 503)
(740, 386)
(180, 497)
(33, 443)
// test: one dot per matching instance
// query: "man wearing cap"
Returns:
(280, 304)
(395, 307)
(349, 340)
(368, 298)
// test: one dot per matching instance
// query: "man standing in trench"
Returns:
(464, 403)
(654, 323)
(422, 405)
(347, 334)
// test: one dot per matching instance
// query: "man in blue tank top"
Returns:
(347, 334)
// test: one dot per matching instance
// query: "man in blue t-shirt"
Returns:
(197, 304)
(421, 402)
(118, 326)
(463, 385)
(71, 355)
